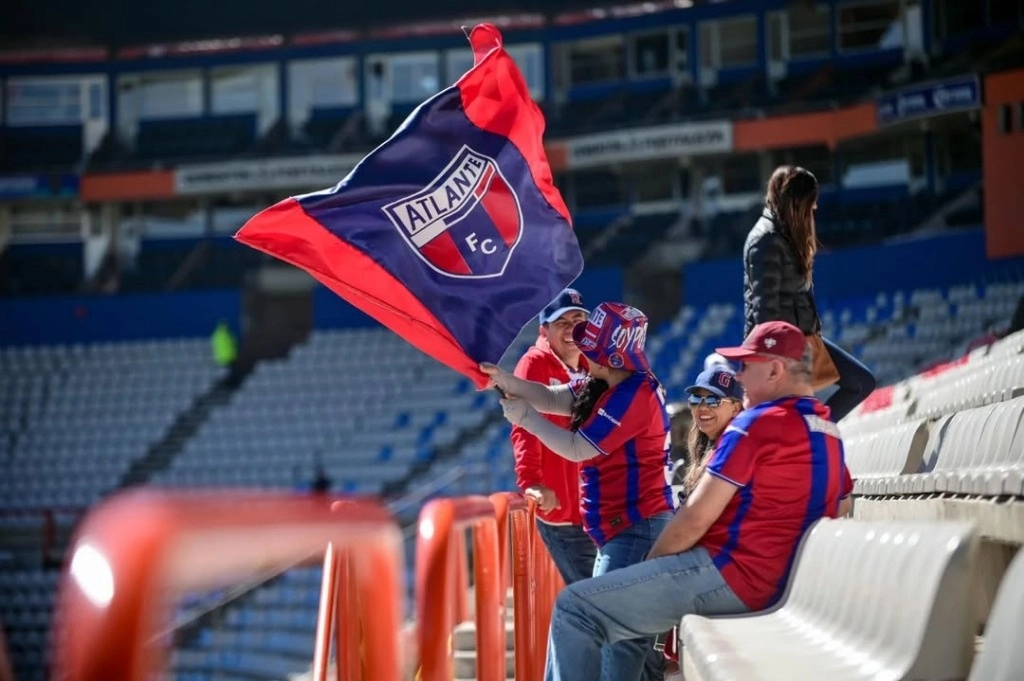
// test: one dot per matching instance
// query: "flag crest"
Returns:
(451, 233)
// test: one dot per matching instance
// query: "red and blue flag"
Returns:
(452, 233)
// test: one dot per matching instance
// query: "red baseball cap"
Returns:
(775, 339)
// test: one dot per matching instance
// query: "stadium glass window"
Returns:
(954, 17)
(870, 25)
(709, 45)
(597, 60)
(414, 77)
(650, 54)
(43, 101)
(810, 31)
(682, 54)
(737, 41)
(777, 48)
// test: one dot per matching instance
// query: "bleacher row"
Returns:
(375, 411)
(902, 591)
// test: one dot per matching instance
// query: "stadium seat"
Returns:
(877, 457)
(1002, 656)
(866, 601)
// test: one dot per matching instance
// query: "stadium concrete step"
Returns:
(464, 644)
(465, 665)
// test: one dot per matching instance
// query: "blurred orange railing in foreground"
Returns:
(534, 580)
(134, 553)
(137, 552)
(441, 586)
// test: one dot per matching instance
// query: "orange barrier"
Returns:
(533, 577)
(549, 583)
(441, 586)
(137, 551)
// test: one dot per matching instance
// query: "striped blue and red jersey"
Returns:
(626, 482)
(786, 458)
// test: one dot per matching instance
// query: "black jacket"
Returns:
(773, 288)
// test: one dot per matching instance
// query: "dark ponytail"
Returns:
(583, 405)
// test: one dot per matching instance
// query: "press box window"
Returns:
(650, 54)
(870, 26)
(728, 42)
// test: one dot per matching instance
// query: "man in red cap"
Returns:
(777, 469)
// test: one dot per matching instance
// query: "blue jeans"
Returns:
(855, 383)
(645, 599)
(572, 550)
(624, 660)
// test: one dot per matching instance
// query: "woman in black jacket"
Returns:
(778, 268)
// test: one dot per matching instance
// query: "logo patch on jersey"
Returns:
(466, 222)
(615, 360)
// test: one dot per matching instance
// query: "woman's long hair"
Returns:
(792, 193)
(700, 447)
(583, 405)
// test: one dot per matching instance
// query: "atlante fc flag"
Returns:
(451, 233)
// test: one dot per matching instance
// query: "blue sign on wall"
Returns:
(930, 99)
(37, 186)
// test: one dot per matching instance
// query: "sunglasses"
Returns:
(711, 401)
(740, 365)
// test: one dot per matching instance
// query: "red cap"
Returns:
(777, 339)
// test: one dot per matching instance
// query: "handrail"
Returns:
(442, 521)
(517, 535)
(139, 547)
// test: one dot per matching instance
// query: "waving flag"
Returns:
(451, 233)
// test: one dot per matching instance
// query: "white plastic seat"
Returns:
(1002, 655)
(867, 600)
(875, 459)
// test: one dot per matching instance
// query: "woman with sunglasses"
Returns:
(715, 398)
(619, 433)
(778, 277)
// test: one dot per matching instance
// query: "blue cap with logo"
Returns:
(567, 301)
(720, 381)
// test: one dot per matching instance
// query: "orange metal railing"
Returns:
(518, 560)
(136, 552)
(441, 586)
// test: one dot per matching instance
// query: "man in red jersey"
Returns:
(777, 469)
(553, 481)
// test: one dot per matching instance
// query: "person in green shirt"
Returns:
(225, 349)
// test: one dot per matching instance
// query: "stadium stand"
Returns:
(94, 198)
(829, 623)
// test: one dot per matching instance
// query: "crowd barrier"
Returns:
(134, 553)
(137, 553)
